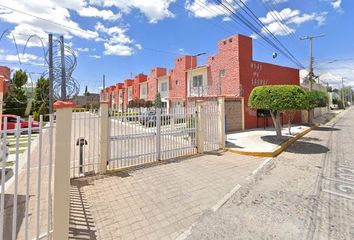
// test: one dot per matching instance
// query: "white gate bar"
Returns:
(29, 138)
(3, 174)
(38, 209)
(50, 175)
(14, 212)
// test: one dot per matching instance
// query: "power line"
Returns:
(251, 14)
(239, 17)
(46, 20)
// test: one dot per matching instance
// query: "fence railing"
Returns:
(26, 178)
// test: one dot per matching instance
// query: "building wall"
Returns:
(178, 77)
(197, 91)
(152, 81)
(136, 85)
(127, 83)
(258, 74)
(5, 74)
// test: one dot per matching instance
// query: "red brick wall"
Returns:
(230, 51)
(4, 85)
(152, 81)
(127, 83)
(178, 76)
(136, 86)
(259, 73)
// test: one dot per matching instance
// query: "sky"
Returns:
(122, 38)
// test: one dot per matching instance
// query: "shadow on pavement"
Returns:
(82, 225)
(273, 139)
(301, 147)
(326, 129)
(232, 145)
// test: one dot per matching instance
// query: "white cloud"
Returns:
(226, 19)
(83, 49)
(46, 13)
(289, 18)
(94, 12)
(336, 4)
(95, 56)
(204, 9)
(275, 1)
(118, 43)
(25, 58)
(154, 10)
(278, 28)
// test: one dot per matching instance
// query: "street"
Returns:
(308, 195)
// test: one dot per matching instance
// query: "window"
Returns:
(198, 81)
(164, 87)
(222, 73)
(143, 90)
(176, 82)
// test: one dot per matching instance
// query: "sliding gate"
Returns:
(139, 138)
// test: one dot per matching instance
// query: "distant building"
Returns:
(231, 72)
(89, 100)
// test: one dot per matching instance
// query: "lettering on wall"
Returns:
(257, 80)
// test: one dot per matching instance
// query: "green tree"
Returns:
(41, 97)
(16, 100)
(278, 99)
(158, 102)
(315, 99)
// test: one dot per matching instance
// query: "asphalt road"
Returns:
(308, 195)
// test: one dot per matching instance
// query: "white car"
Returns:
(333, 106)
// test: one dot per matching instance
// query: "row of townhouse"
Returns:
(231, 73)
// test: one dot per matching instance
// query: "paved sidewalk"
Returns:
(260, 140)
(155, 202)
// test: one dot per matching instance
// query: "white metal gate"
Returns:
(210, 116)
(26, 162)
(85, 143)
(138, 138)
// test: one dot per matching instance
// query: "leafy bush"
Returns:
(316, 99)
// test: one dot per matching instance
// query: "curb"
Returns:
(277, 150)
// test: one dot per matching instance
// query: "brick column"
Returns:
(62, 170)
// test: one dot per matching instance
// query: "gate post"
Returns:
(221, 121)
(104, 122)
(158, 134)
(200, 132)
(62, 170)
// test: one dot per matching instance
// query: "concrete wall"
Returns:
(233, 115)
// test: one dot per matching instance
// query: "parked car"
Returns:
(12, 120)
(148, 118)
(333, 106)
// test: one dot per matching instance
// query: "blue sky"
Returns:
(123, 37)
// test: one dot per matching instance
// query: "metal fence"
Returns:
(138, 138)
(26, 161)
(85, 143)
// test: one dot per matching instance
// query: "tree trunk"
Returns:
(309, 116)
(276, 120)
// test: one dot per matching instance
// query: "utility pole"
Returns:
(343, 99)
(63, 72)
(51, 74)
(311, 37)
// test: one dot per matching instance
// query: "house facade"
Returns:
(231, 73)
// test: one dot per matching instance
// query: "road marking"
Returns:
(338, 180)
(338, 194)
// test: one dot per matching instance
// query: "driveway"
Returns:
(160, 201)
